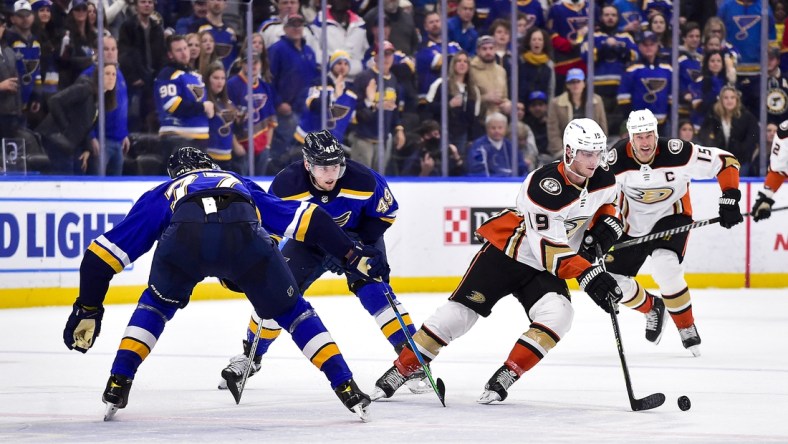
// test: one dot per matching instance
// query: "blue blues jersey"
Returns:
(611, 60)
(28, 63)
(531, 9)
(151, 214)
(180, 93)
(361, 201)
(743, 28)
(647, 86)
(226, 43)
(342, 111)
(428, 64)
(220, 143)
(629, 12)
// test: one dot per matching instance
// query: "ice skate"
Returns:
(495, 389)
(690, 339)
(655, 321)
(418, 383)
(116, 395)
(354, 399)
(387, 384)
(234, 372)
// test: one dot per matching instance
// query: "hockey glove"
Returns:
(605, 232)
(763, 206)
(600, 286)
(368, 261)
(332, 264)
(729, 208)
(83, 327)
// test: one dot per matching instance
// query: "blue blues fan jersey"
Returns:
(647, 86)
(531, 9)
(180, 94)
(361, 201)
(743, 28)
(428, 64)
(341, 111)
(151, 214)
(28, 63)
(226, 43)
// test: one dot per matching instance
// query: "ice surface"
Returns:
(738, 387)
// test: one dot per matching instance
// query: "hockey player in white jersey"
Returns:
(653, 175)
(778, 172)
(529, 253)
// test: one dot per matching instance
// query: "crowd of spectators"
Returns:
(176, 72)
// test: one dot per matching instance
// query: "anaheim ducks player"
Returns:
(653, 174)
(529, 252)
(778, 171)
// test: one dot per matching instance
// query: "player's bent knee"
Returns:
(629, 288)
(553, 311)
(451, 321)
(667, 272)
(153, 303)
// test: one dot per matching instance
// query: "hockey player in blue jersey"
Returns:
(210, 222)
(360, 202)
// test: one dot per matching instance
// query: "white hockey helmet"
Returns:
(584, 134)
(641, 121)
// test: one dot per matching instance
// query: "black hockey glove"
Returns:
(83, 327)
(368, 261)
(332, 264)
(605, 232)
(762, 208)
(730, 214)
(601, 286)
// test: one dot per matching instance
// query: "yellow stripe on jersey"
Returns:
(303, 225)
(354, 194)
(134, 346)
(106, 256)
(393, 326)
(325, 353)
(306, 195)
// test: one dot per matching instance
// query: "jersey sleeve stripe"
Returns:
(172, 104)
(110, 253)
(354, 194)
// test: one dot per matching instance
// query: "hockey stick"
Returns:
(649, 402)
(238, 390)
(677, 230)
(437, 384)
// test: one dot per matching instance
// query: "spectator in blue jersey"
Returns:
(222, 143)
(116, 143)
(274, 28)
(460, 28)
(365, 139)
(567, 22)
(219, 226)
(404, 33)
(491, 155)
(535, 65)
(66, 130)
(225, 40)
(78, 45)
(263, 112)
(181, 107)
(143, 52)
(531, 10)
(689, 61)
(345, 31)
(11, 118)
(294, 70)
(364, 207)
(28, 55)
(464, 107)
(185, 25)
(631, 16)
(707, 87)
(429, 57)
(714, 40)
(646, 83)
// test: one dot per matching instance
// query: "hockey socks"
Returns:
(643, 301)
(429, 345)
(268, 334)
(315, 342)
(144, 328)
(679, 306)
(373, 298)
(532, 346)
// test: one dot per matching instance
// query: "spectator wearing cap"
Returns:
(20, 37)
(224, 37)
(569, 105)
(263, 114)
(567, 21)
(10, 91)
(274, 28)
(646, 83)
(185, 25)
(345, 31)
(294, 70)
(536, 65)
(491, 154)
(404, 33)
(613, 52)
(143, 52)
(490, 77)
(460, 27)
(464, 105)
(776, 88)
(365, 140)
(78, 45)
(536, 119)
(429, 57)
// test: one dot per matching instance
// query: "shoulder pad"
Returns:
(358, 177)
(291, 181)
(548, 188)
(672, 152)
(782, 130)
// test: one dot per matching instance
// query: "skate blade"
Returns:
(362, 412)
(109, 413)
(377, 394)
(222, 384)
(695, 350)
(418, 386)
(488, 397)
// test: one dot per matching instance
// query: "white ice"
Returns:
(738, 387)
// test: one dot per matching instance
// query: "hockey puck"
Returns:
(684, 403)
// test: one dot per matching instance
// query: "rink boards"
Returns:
(45, 225)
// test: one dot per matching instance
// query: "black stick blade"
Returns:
(442, 391)
(647, 403)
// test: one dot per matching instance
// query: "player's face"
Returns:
(324, 177)
(586, 162)
(644, 145)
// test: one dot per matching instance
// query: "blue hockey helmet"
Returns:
(187, 159)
